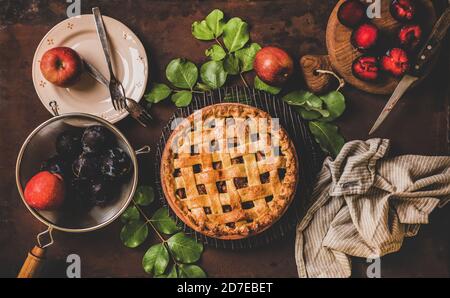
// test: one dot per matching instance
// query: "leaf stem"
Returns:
(164, 241)
(221, 45)
(193, 91)
(148, 221)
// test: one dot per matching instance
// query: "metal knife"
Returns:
(421, 62)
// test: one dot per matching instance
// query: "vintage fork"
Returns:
(136, 110)
(115, 87)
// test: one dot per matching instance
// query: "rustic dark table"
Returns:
(418, 126)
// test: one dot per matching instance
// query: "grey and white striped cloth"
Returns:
(364, 205)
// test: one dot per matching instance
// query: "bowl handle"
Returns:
(36, 256)
(144, 150)
(32, 263)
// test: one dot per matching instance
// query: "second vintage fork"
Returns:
(136, 110)
(115, 87)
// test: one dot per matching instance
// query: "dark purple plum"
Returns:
(56, 165)
(115, 163)
(86, 166)
(101, 191)
(97, 139)
(79, 192)
(68, 144)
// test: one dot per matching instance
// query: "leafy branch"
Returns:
(180, 249)
(320, 111)
(231, 54)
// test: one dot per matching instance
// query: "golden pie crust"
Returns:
(224, 184)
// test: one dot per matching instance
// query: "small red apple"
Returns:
(45, 191)
(273, 65)
(62, 66)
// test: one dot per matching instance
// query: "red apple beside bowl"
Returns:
(62, 66)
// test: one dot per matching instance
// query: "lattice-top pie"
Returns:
(229, 171)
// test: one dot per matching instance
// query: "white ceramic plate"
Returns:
(88, 96)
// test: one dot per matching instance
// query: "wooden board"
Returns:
(342, 53)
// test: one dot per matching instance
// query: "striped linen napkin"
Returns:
(364, 205)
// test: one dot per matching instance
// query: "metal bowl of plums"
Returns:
(75, 173)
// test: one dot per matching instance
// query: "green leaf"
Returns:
(213, 74)
(201, 31)
(314, 102)
(191, 271)
(260, 85)
(321, 111)
(130, 214)
(235, 34)
(335, 104)
(308, 115)
(184, 248)
(182, 98)
(134, 233)
(231, 64)
(156, 259)
(157, 93)
(216, 53)
(202, 87)
(300, 98)
(173, 273)
(215, 22)
(144, 196)
(163, 222)
(247, 55)
(327, 136)
(182, 73)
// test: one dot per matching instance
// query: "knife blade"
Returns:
(401, 88)
(422, 60)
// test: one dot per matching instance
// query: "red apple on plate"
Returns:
(273, 65)
(62, 66)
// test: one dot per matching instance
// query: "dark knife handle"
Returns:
(432, 45)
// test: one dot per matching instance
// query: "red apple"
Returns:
(45, 191)
(61, 66)
(273, 65)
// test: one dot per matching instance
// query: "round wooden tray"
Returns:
(342, 53)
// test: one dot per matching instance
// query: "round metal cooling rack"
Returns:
(309, 155)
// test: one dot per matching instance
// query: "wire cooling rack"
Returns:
(309, 155)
